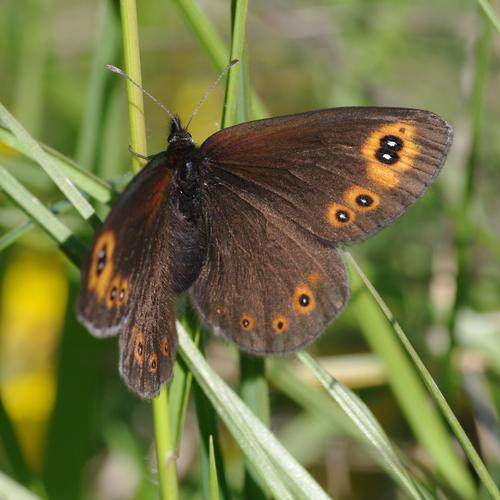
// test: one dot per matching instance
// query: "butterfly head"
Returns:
(179, 137)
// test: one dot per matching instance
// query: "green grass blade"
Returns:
(422, 418)
(366, 423)
(51, 168)
(490, 13)
(10, 490)
(12, 448)
(41, 215)
(214, 485)
(131, 54)
(106, 51)
(85, 180)
(165, 453)
(280, 472)
(12, 236)
(213, 45)
(438, 397)
(235, 76)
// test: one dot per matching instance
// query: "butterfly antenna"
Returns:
(120, 72)
(210, 89)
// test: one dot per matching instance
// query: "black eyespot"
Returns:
(101, 260)
(245, 323)
(342, 216)
(364, 200)
(153, 364)
(140, 348)
(387, 156)
(391, 142)
(280, 325)
(304, 300)
(122, 294)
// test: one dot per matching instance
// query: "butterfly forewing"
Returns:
(127, 280)
(341, 174)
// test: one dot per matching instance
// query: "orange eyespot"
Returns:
(303, 299)
(164, 346)
(280, 324)
(339, 215)
(361, 199)
(139, 346)
(247, 322)
(123, 291)
(388, 150)
(153, 363)
(101, 264)
(117, 294)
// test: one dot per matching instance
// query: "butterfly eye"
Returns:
(304, 301)
(153, 363)
(391, 142)
(247, 322)
(279, 324)
(387, 156)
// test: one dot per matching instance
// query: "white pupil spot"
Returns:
(122, 294)
(387, 156)
(392, 144)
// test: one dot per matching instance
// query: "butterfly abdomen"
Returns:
(187, 228)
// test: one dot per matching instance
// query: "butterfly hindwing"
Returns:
(269, 287)
(341, 174)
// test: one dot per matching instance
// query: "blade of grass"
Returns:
(32, 60)
(165, 453)
(132, 59)
(422, 418)
(10, 490)
(51, 168)
(12, 236)
(85, 180)
(280, 472)
(438, 397)
(106, 51)
(490, 13)
(161, 413)
(235, 77)
(10, 444)
(366, 423)
(214, 486)
(213, 45)
(41, 215)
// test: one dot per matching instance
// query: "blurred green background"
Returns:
(81, 434)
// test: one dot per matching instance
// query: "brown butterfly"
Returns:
(249, 225)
